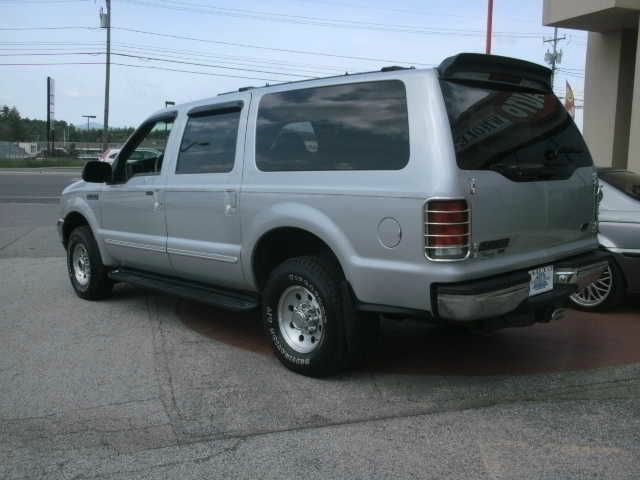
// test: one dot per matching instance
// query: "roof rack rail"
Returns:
(244, 89)
(393, 68)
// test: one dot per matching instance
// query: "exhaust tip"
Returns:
(558, 314)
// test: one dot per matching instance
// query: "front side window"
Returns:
(144, 153)
(209, 143)
(357, 126)
(524, 135)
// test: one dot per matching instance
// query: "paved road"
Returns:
(147, 386)
(26, 186)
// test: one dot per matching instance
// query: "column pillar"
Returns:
(634, 130)
(610, 70)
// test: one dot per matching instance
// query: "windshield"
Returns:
(625, 181)
(524, 136)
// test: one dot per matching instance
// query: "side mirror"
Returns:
(96, 172)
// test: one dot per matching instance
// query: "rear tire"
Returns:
(303, 315)
(604, 294)
(87, 273)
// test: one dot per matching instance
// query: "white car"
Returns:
(109, 155)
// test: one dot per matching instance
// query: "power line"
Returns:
(20, 2)
(227, 61)
(159, 59)
(231, 44)
(152, 67)
(232, 63)
(48, 54)
(260, 47)
(48, 63)
(396, 10)
(318, 21)
(48, 28)
(571, 74)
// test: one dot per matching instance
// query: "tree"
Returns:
(15, 125)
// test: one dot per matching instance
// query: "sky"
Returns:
(263, 41)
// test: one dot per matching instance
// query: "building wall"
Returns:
(609, 87)
(634, 130)
(612, 75)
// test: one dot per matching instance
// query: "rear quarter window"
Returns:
(357, 126)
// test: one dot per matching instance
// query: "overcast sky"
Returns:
(403, 32)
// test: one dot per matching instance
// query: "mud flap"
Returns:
(361, 329)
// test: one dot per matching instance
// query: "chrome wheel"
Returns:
(595, 293)
(300, 319)
(80, 264)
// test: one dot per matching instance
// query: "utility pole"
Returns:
(105, 22)
(554, 57)
(489, 26)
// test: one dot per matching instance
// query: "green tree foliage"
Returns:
(14, 128)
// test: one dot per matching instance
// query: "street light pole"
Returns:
(88, 117)
(105, 131)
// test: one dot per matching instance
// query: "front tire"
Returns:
(87, 273)
(303, 315)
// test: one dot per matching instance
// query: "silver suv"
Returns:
(463, 194)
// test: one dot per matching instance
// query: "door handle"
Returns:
(230, 202)
(156, 198)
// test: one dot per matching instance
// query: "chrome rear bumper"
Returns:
(504, 294)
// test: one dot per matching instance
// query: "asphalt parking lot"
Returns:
(149, 386)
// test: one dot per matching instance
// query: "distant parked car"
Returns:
(109, 155)
(143, 153)
(620, 235)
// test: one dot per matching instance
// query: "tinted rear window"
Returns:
(524, 136)
(627, 182)
(358, 126)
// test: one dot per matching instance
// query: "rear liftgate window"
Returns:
(358, 126)
(523, 135)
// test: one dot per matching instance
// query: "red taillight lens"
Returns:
(447, 229)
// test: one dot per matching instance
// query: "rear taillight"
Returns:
(447, 231)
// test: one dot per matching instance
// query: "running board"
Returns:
(218, 297)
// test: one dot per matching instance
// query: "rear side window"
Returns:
(524, 135)
(209, 143)
(358, 126)
(625, 181)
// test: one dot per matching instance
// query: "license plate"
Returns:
(541, 280)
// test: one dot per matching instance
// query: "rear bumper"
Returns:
(508, 294)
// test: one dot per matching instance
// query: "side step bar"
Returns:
(227, 299)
